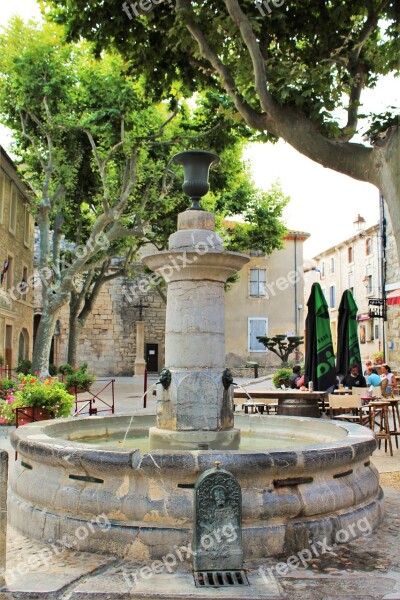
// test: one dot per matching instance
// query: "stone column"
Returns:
(3, 513)
(140, 363)
(195, 409)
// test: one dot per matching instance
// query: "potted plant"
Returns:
(378, 357)
(79, 380)
(281, 377)
(24, 366)
(7, 388)
(66, 369)
(38, 399)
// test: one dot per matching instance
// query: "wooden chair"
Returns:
(347, 404)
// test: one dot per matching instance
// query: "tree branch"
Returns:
(267, 102)
(101, 165)
(253, 118)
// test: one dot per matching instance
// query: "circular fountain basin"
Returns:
(75, 482)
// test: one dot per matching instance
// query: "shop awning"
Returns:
(393, 298)
(363, 317)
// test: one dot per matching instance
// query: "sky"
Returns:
(323, 202)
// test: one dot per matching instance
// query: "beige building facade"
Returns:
(359, 264)
(266, 300)
(16, 266)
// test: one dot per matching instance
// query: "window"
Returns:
(257, 326)
(376, 333)
(371, 332)
(362, 334)
(12, 225)
(2, 196)
(368, 246)
(351, 282)
(368, 279)
(332, 296)
(22, 285)
(332, 264)
(323, 272)
(257, 282)
(26, 226)
(7, 273)
(350, 254)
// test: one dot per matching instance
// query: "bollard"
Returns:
(3, 514)
(145, 388)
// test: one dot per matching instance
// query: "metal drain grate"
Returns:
(220, 578)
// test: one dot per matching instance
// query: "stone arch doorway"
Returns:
(23, 345)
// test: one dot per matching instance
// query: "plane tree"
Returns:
(96, 148)
(292, 69)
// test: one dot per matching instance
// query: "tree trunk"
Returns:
(73, 338)
(389, 180)
(41, 351)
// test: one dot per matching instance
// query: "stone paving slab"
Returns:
(177, 586)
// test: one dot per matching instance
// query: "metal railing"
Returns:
(88, 403)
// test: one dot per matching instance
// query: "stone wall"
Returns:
(108, 340)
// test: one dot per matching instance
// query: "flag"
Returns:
(4, 271)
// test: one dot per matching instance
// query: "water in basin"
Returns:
(249, 441)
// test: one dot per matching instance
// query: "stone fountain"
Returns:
(195, 401)
(300, 479)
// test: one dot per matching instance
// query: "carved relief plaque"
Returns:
(217, 522)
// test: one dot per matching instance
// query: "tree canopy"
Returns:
(294, 69)
(97, 149)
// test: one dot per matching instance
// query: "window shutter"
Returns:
(257, 327)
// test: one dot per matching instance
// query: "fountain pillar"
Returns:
(194, 404)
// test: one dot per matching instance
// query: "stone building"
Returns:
(16, 265)
(266, 300)
(108, 340)
(358, 264)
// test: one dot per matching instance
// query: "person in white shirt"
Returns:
(388, 380)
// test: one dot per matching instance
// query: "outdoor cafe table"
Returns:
(284, 395)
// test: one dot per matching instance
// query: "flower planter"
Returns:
(31, 414)
(72, 390)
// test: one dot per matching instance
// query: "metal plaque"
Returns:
(217, 522)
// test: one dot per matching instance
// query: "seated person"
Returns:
(388, 380)
(368, 364)
(354, 378)
(296, 380)
(372, 377)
